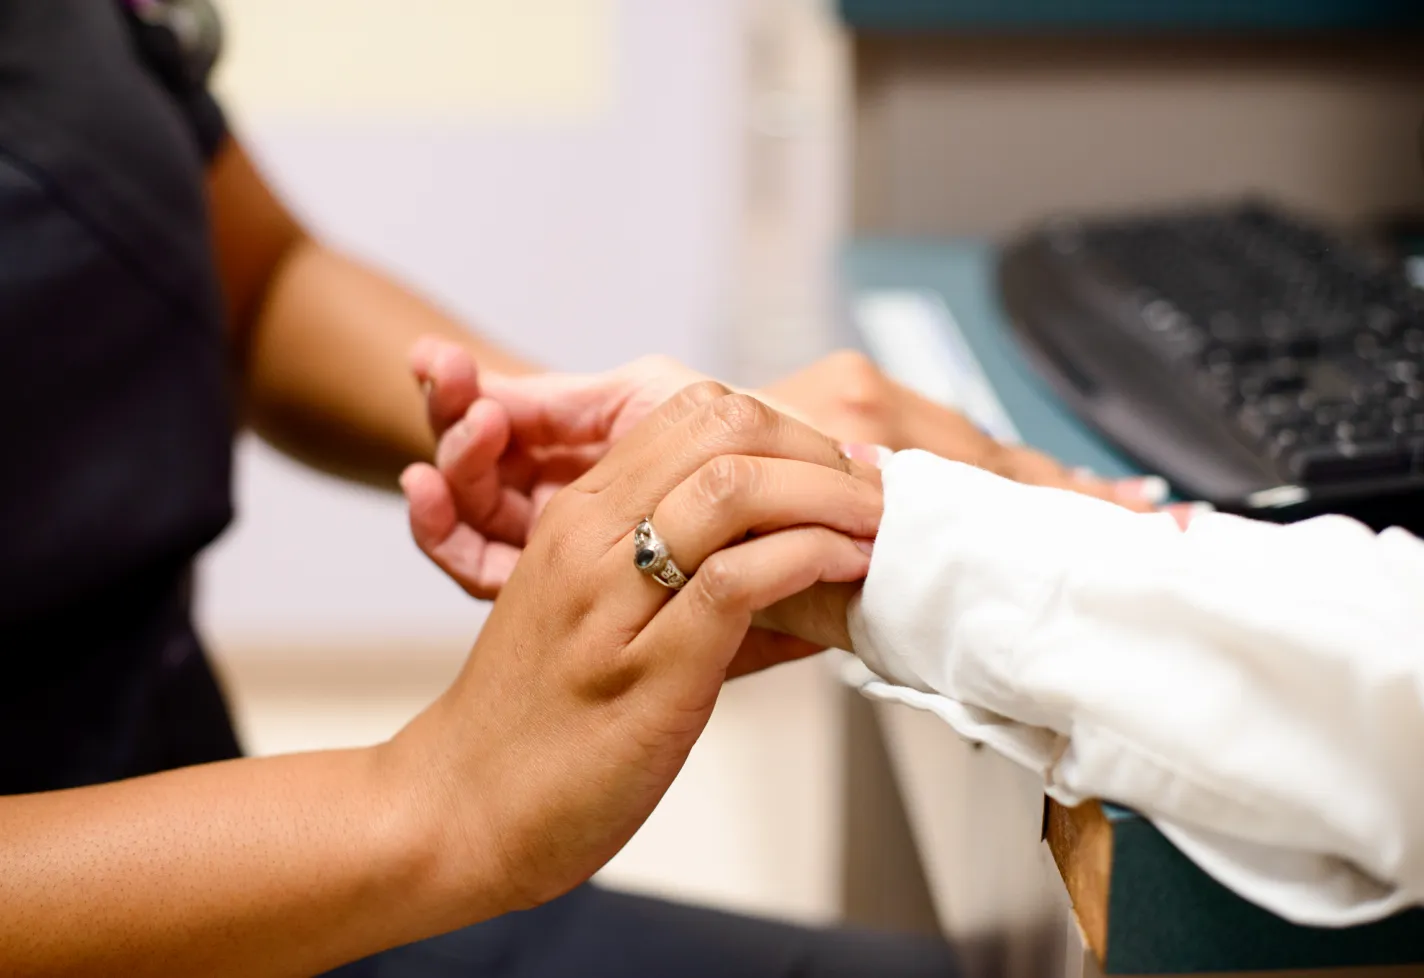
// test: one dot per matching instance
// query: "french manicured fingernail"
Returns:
(1152, 489)
(861, 453)
(867, 547)
(876, 455)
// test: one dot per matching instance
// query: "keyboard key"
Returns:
(1350, 462)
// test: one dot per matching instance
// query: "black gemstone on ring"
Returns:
(644, 558)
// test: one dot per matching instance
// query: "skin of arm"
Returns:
(281, 866)
(273, 867)
(321, 341)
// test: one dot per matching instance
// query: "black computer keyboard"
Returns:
(1258, 361)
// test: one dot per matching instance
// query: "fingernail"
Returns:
(866, 547)
(1184, 513)
(1153, 489)
(406, 477)
(427, 386)
(455, 440)
(876, 455)
(1085, 473)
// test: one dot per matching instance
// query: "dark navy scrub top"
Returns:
(116, 397)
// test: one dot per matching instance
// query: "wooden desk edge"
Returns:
(1081, 842)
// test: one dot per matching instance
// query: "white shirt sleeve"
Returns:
(1256, 690)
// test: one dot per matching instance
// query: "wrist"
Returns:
(449, 861)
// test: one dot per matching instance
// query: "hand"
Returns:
(500, 460)
(849, 398)
(590, 682)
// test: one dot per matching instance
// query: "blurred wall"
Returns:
(982, 135)
(561, 172)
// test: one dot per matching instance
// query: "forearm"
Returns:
(270, 867)
(321, 341)
(327, 373)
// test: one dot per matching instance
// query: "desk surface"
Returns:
(961, 272)
(1160, 913)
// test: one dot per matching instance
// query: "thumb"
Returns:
(451, 379)
(558, 408)
(561, 409)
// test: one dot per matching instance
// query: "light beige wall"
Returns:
(420, 59)
(981, 135)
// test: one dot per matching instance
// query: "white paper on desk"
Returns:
(914, 337)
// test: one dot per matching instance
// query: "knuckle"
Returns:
(558, 533)
(704, 392)
(559, 543)
(559, 512)
(719, 581)
(742, 413)
(724, 480)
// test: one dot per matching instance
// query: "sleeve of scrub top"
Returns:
(181, 56)
(1256, 690)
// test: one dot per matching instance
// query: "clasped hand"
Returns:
(590, 681)
(507, 444)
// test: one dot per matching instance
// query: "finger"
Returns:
(1126, 493)
(468, 457)
(924, 424)
(554, 470)
(450, 377)
(551, 409)
(626, 454)
(817, 615)
(1036, 469)
(563, 409)
(1143, 494)
(479, 566)
(1031, 468)
(734, 496)
(875, 456)
(936, 428)
(422, 355)
(735, 424)
(696, 637)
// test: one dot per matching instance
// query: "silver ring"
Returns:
(650, 555)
